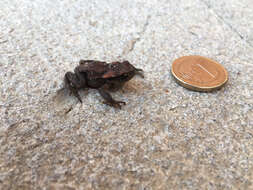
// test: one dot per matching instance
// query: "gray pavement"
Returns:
(166, 137)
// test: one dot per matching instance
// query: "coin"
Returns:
(199, 73)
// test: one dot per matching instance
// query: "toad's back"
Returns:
(93, 69)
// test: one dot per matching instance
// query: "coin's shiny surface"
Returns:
(199, 73)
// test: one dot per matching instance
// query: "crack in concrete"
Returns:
(227, 23)
(130, 47)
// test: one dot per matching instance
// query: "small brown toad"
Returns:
(98, 75)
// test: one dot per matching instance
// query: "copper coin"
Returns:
(199, 73)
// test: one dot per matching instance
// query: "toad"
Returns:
(101, 76)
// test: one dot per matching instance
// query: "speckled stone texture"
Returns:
(166, 137)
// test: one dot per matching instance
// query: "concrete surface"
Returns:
(166, 137)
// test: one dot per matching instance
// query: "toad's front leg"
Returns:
(109, 100)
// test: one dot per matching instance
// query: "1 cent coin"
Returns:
(199, 73)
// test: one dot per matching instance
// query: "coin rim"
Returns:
(194, 87)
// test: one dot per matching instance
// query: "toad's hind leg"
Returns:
(73, 84)
(76, 94)
(109, 100)
(81, 77)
